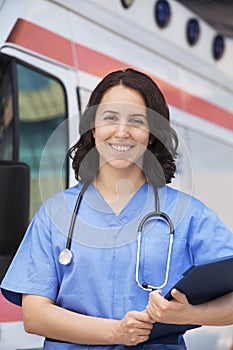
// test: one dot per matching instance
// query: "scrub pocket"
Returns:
(155, 255)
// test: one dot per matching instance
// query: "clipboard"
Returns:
(200, 283)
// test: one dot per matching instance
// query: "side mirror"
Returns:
(14, 209)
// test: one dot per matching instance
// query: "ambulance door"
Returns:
(36, 97)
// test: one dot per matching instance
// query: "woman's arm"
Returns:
(218, 312)
(43, 317)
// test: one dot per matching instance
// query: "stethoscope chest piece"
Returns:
(65, 257)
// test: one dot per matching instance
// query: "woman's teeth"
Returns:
(121, 148)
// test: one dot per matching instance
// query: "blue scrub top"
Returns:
(100, 281)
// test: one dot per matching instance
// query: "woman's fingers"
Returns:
(176, 310)
(135, 328)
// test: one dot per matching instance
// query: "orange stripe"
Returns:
(54, 46)
(9, 312)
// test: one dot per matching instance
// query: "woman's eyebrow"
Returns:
(138, 115)
(110, 111)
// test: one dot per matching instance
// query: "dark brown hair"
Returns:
(159, 159)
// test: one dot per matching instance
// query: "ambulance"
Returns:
(52, 54)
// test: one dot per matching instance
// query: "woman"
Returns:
(125, 154)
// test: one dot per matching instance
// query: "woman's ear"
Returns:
(93, 132)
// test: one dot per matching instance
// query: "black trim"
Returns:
(15, 154)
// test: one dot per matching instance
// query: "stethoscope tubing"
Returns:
(65, 256)
(157, 214)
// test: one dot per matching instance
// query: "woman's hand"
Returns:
(218, 312)
(176, 311)
(134, 328)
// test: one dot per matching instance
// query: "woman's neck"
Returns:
(118, 187)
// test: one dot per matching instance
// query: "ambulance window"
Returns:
(6, 111)
(162, 13)
(42, 111)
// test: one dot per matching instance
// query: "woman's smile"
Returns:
(121, 148)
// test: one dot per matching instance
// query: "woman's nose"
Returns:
(122, 130)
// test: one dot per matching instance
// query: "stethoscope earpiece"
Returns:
(65, 257)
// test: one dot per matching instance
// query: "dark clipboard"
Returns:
(200, 283)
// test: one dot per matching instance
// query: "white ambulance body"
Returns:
(54, 52)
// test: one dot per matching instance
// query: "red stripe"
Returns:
(40, 40)
(54, 46)
(9, 312)
(96, 63)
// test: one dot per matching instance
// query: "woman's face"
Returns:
(121, 128)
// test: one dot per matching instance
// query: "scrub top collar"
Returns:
(95, 201)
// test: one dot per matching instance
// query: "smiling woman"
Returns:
(130, 233)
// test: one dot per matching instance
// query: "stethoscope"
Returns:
(65, 256)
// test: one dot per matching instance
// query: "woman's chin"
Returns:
(122, 164)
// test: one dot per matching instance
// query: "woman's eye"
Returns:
(110, 118)
(136, 121)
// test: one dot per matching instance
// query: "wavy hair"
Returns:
(159, 159)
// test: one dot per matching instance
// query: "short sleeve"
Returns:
(211, 238)
(32, 270)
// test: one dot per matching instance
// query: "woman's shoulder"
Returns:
(66, 193)
(59, 200)
(177, 195)
(187, 208)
